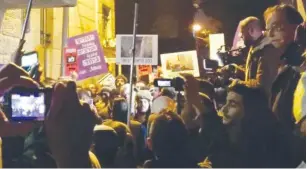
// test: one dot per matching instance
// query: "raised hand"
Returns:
(12, 75)
(69, 127)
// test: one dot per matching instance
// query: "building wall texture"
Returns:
(45, 30)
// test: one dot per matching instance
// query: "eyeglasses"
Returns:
(275, 28)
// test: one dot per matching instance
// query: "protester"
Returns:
(263, 60)
(161, 103)
(105, 145)
(90, 126)
(140, 85)
(143, 102)
(104, 104)
(201, 146)
(13, 75)
(168, 140)
(281, 23)
(299, 114)
(169, 92)
(69, 120)
(248, 128)
(299, 107)
(125, 156)
(120, 81)
(115, 93)
(125, 93)
(84, 94)
(93, 89)
(120, 111)
(155, 92)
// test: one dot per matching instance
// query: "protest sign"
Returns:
(107, 80)
(146, 49)
(180, 62)
(71, 65)
(90, 57)
(143, 70)
(216, 42)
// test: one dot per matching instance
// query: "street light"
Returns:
(196, 27)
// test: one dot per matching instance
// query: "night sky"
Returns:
(171, 19)
(230, 12)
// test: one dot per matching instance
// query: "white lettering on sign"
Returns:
(82, 72)
(138, 61)
(127, 61)
(91, 61)
(148, 60)
(87, 50)
(88, 44)
(84, 39)
(94, 68)
(71, 50)
(92, 55)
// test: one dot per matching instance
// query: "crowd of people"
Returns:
(28, 106)
(262, 123)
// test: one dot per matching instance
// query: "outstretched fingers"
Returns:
(57, 101)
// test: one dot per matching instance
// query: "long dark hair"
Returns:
(258, 127)
(120, 110)
(257, 112)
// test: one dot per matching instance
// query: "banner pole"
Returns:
(25, 25)
(64, 36)
(132, 67)
(18, 53)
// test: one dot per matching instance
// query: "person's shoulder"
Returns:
(94, 160)
(103, 127)
(148, 164)
(135, 123)
(108, 122)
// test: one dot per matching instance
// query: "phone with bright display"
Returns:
(28, 60)
(25, 104)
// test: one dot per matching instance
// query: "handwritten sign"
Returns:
(107, 80)
(90, 56)
(143, 70)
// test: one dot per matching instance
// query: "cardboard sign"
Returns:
(146, 49)
(180, 62)
(90, 57)
(107, 80)
(143, 70)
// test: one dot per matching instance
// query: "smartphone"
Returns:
(28, 60)
(26, 104)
